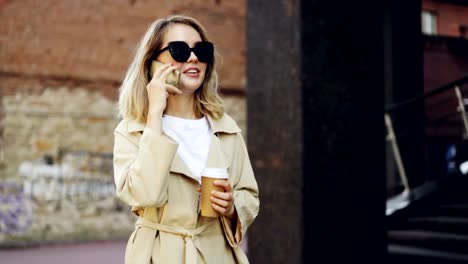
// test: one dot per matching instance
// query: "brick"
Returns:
(449, 16)
(97, 39)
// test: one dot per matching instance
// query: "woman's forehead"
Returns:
(181, 32)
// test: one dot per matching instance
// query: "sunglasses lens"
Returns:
(204, 51)
(179, 50)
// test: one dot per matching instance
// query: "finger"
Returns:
(166, 72)
(219, 209)
(227, 196)
(222, 203)
(223, 183)
(172, 89)
(160, 69)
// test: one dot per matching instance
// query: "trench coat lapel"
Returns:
(178, 166)
(216, 156)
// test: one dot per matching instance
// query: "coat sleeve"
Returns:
(246, 195)
(141, 171)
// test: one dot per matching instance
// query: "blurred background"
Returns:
(426, 132)
(313, 74)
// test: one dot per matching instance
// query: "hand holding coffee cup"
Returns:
(216, 193)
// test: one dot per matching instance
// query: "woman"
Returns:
(167, 136)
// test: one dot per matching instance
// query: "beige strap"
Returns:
(191, 249)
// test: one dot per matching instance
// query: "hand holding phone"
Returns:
(172, 78)
(158, 89)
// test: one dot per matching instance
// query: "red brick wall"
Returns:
(93, 41)
(445, 60)
(449, 16)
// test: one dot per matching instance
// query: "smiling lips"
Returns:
(192, 72)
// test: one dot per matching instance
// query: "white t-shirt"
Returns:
(193, 137)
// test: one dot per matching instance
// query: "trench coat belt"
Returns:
(191, 249)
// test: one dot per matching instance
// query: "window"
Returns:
(429, 22)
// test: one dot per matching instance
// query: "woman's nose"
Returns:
(193, 57)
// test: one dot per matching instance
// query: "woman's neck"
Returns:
(182, 106)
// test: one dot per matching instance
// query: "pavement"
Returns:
(87, 253)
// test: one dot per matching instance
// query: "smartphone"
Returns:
(173, 77)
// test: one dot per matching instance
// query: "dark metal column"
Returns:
(275, 131)
(315, 130)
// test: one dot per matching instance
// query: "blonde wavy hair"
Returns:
(133, 99)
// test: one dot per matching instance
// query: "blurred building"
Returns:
(436, 122)
(426, 119)
(444, 25)
(445, 30)
(62, 63)
(445, 18)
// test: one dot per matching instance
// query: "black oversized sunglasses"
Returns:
(180, 51)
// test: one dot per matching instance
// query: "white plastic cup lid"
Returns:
(219, 173)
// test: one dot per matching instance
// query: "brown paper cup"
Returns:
(209, 175)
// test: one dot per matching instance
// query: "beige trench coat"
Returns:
(153, 179)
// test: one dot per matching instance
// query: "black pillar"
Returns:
(406, 58)
(315, 130)
(275, 129)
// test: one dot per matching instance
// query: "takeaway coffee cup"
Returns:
(209, 175)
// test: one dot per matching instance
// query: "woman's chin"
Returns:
(190, 86)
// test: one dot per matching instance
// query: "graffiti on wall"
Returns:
(15, 210)
(79, 175)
